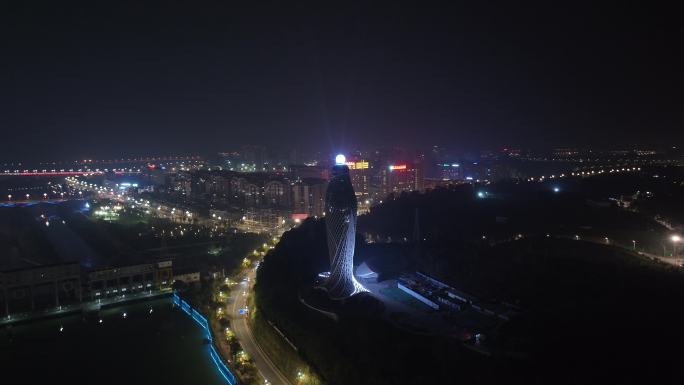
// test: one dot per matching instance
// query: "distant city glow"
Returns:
(340, 160)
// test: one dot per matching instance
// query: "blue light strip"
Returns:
(201, 321)
(222, 368)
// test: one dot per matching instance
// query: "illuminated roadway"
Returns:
(239, 323)
(244, 334)
(157, 209)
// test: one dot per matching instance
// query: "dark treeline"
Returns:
(360, 348)
(591, 313)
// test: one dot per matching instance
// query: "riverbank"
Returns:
(83, 307)
(209, 335)
(153, 343)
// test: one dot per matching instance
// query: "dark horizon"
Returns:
(96, 82)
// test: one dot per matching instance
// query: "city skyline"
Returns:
(282, 155)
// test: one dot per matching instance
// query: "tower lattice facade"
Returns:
(340, 223)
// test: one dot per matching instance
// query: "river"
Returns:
(164, 346)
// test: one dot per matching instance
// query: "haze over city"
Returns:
(98, 80)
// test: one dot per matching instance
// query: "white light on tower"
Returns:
(340, 159)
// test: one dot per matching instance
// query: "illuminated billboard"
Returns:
(361, 165)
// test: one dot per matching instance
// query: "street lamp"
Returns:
(9, 197)
(633, 244)
(675, 240)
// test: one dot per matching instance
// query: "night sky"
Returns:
(116, 78)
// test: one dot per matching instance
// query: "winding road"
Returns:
(244, 334)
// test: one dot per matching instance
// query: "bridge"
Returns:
(51, 173)
(63, 173)
(33, 202)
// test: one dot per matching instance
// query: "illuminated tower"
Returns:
(340, 224)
